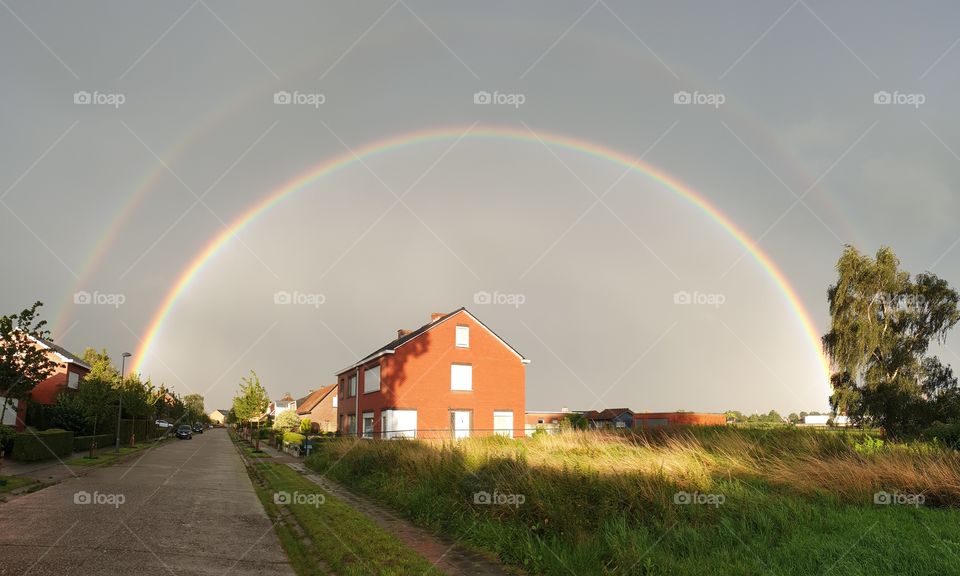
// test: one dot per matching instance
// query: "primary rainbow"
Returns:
(489, 132)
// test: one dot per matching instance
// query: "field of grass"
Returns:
(11, 483)
(329, 537)
(689, 501)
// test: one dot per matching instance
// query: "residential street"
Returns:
(185, 507)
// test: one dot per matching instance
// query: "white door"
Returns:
(461, 423)
(503, 423)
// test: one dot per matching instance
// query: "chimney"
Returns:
(436, 316)
(401, 333)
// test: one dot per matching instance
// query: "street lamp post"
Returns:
(123, 360)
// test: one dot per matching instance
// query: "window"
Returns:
(73, 380)
(463, 336)
(371, 379)
(503, 423)
(334, 401)
(368, 424)
(461, 377)
(351, 425)
(352, 386)
(398, 424)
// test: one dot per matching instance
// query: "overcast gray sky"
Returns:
(133, 134)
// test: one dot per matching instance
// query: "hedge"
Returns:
(82, 443)
(31, 446)
(293, 438)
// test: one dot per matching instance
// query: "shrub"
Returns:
(81, 443)
(293, 438)
(32, 446)
(7, 434)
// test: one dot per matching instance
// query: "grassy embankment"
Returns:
(784, 501)
(320, 534)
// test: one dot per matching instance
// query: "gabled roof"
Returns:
(306, 404)
(607, 414)
(286, 398)
(392, 346)
(66, 355)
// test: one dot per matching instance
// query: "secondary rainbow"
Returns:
(477, 133)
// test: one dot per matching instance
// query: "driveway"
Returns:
(185, 507)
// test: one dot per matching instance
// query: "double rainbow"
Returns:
(380, 147)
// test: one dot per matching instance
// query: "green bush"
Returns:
(7, 434)
(32, 446)
(293, 438)
(81, 443)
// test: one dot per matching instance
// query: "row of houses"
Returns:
(452, 377)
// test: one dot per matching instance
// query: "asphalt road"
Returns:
(185, 507)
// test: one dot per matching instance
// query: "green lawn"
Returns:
(10, 483)
(330, 537)
(794, 503)
(107, 455)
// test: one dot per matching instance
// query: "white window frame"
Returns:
(367, 388)
(73, 380)
(389, 427)
(463, 336)
(464, 382)
(363, 423)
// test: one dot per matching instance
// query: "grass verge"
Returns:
(11, 483)
(321, 535)
(108, 456)
(685, 502)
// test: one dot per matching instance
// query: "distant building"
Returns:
(218, 417)
(610, 418)
(645, 420)
(320, 408)
(277, 406)
(545, 420)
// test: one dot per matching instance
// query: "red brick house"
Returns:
(320, 408)
(452, 377)
(67, 375)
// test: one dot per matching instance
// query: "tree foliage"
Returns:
(882, 325)
(23, 364)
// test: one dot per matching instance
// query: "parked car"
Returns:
(198, 428)
(184, 432)
(164, 424)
